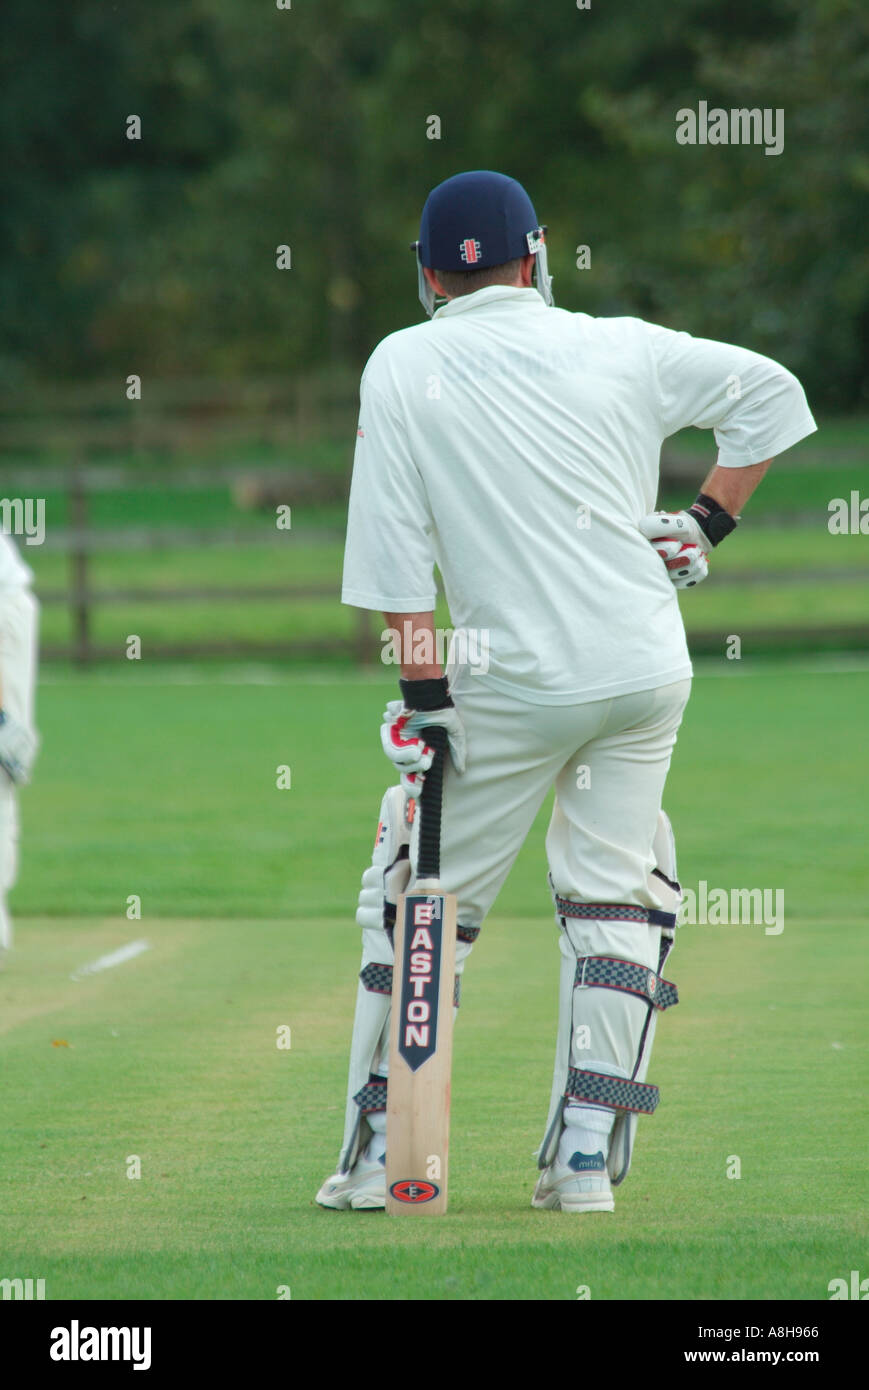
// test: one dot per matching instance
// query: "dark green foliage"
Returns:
(307, 127)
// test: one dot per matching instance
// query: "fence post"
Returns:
(78, 572)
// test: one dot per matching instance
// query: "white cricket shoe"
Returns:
(362, 1189)
(582, 1184)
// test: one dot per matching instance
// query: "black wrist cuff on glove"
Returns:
(714, 520)
(423, 695)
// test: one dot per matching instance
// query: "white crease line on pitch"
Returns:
(128, 952)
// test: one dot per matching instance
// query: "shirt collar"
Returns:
(488, 295)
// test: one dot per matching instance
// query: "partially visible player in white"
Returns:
(517, 446)
(19, 624)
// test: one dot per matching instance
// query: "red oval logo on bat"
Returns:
(411, 1190)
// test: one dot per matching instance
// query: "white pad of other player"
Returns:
(17, 749)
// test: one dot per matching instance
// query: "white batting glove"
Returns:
(411, 755)
(681, 544)
(445, 719)
(680, 526)
(17, 749)
(684, 539)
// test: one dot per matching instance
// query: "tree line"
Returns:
(152, 244)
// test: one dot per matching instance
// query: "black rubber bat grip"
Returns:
(430, 803)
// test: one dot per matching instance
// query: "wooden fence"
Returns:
(166, 439)
(81, 541)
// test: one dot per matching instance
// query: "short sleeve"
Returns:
(756, 407)
(389, 551)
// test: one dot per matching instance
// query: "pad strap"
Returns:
(594, 1088)
(607, 972)
(377, 979)
(468, 934)
(670, 882)
(614, 912)
(372, 1095)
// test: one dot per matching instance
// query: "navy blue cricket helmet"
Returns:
(479, 219)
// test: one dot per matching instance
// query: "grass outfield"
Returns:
(167, 791)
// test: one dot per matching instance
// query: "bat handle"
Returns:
(430, 803)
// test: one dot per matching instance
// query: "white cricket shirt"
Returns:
(13, 572)
(517, 446)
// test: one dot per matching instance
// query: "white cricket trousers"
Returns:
(608, 761)
(19, 626)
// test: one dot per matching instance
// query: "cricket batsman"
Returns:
(517, 447)
(19, 618)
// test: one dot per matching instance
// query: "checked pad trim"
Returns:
(608, 972)
(597, 1089)
(377, 979)
(371, 1097)
(614, 912)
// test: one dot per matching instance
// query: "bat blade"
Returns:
(420, 1053)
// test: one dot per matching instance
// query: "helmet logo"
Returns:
(535, 240)
(469, 251)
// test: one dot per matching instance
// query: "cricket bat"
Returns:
(421, 1035)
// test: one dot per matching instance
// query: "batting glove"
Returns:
(684, 539)
(17, 749)
(425, 703)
